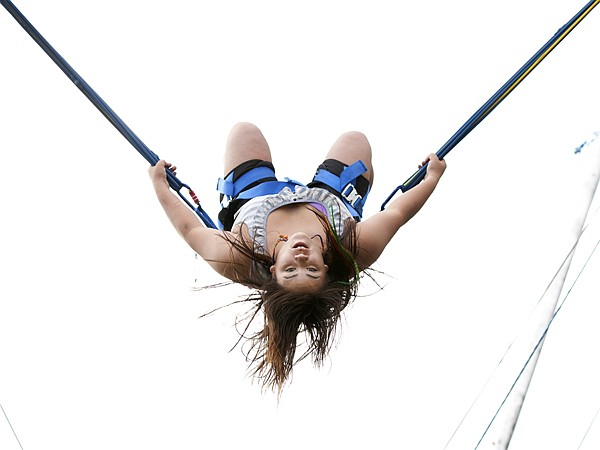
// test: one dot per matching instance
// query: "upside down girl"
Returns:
(301, 248)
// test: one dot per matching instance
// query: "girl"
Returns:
(301, 248)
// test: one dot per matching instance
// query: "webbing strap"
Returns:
(230, 188)
(348, 175)
(345, 184)
(269, 188)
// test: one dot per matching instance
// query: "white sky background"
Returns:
(100, 341)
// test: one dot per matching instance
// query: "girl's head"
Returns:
(298, 263)
(301, 288)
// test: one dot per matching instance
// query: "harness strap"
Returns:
(231, 189)
(345, 184)
(269, 188)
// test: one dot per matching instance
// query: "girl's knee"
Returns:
(244, 129)
(356, 142)
(355, 136)
(245, 142)
(352, 146)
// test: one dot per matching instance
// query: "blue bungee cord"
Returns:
(415, 179)
(112, 117)
(497, 98)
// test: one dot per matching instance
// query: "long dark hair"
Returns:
(271, 351)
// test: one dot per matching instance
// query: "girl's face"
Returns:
(299, 265)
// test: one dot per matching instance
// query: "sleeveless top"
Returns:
(255, 212)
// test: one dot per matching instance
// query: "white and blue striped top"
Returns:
(255, 212)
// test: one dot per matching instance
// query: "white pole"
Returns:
(589, 169)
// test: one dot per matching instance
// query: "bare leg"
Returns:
(245, 142)
(349, 148)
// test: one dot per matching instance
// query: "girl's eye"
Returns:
(290, 269)
(312, 269)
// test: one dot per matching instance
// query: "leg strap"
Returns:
(232, 189)
(237, 190)
(345, 185)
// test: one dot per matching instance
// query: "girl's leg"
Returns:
(349, 148)
(245, 142)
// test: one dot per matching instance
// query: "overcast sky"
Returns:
(100, 342)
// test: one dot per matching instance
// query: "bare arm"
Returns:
(377, 231)
(207, 242)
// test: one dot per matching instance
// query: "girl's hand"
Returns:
(157, 172)
(436, 166)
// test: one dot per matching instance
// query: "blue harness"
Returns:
(344, 185)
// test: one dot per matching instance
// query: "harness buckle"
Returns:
(351, 195)
(226, 200)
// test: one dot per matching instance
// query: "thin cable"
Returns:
(538, 344)
(11, 427)
(588, 429)
(516, 337)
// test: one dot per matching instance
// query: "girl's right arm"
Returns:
(377, 231)
(209, 243)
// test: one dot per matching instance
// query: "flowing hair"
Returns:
(271, 351)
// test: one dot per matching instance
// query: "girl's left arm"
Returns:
(209, 243)
(377, 231)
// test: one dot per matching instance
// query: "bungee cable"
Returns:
(112, 117)
(497, 98)
(415, 179)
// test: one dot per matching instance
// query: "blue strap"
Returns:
(266, 188)
(348, 175)
(345, 184)
(229, 188)
(269, 188)
(233, 189)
